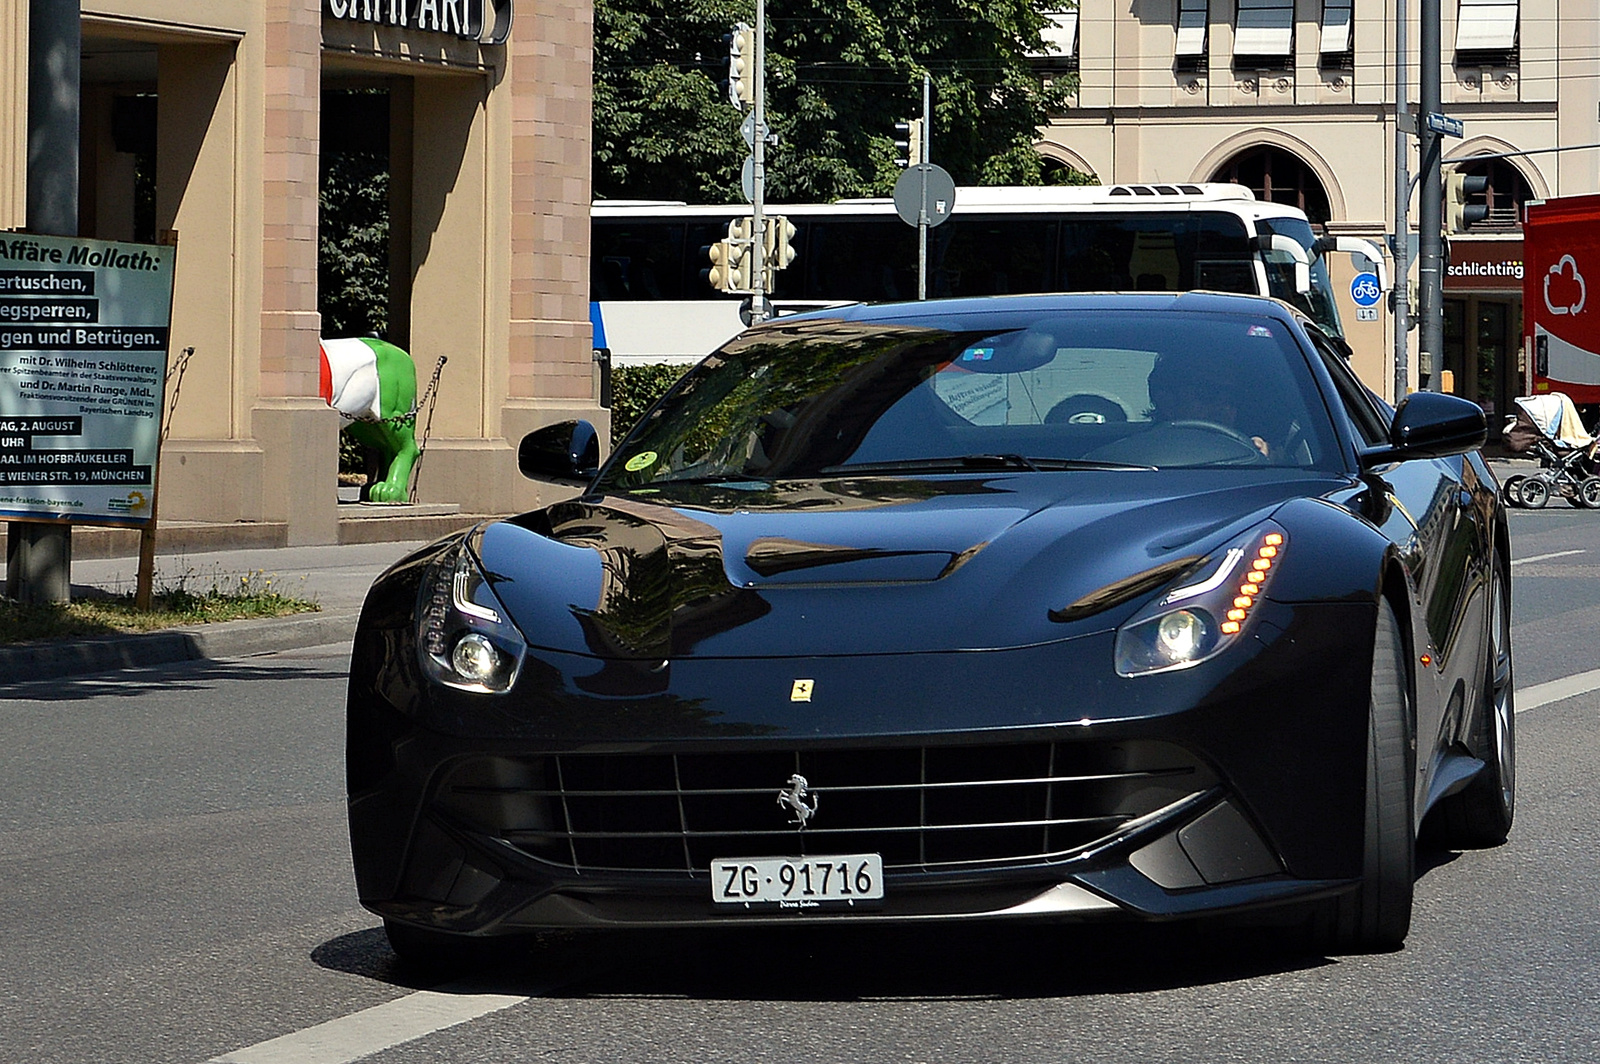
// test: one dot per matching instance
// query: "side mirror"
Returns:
(567, 450)
(1289, 248)
(1431, 425)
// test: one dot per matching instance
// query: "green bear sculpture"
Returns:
(373, 385)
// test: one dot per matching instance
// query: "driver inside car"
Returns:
(1190, 387)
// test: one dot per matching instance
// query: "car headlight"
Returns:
(1208, 609)
(464, 637)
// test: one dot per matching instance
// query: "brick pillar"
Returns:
(550, 366)
(550, 56)
(298, 434)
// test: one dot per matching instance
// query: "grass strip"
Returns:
(251, 595)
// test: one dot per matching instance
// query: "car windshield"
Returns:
(1075, 390)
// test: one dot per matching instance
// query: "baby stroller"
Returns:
(1547, 427)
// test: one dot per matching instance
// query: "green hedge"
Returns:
(634, 389)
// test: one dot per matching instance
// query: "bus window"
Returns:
(1155, 252)
(868, 260)
(636, 261)
(990, 257)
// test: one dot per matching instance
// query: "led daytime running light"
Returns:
(1260, 568)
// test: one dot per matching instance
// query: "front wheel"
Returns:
(1511, 490)
(1377, 915)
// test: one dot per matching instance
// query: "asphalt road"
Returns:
(176, 887)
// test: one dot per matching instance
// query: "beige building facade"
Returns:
(1296, 98)
(488, 203)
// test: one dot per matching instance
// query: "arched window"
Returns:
(1279, 176)
(1508, 190)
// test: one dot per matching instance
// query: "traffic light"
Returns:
(739, 230)
(909, 142)
(779, 239)
(730, 266)
(742, 66)
(1458, 213)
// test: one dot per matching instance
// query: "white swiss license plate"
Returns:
(839, 881)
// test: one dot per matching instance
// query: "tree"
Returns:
(840, 73)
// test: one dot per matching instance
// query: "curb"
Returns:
(229, 639)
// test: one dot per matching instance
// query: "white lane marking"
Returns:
(1545, 557)
(1542, 694)
(373, 1030)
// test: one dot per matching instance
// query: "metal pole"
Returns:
(922, 210)
(38, 555)
(1430, 273)
(758, 202)
(1402, 210)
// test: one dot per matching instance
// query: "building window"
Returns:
(1506, 193)
(1279, 176)
(1337, 41)
(1191, 53)
(1486, 32)
(1060, 35)
(1264, 33)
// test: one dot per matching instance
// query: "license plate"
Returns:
(840, 881)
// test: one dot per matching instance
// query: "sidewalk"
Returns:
(335, 577)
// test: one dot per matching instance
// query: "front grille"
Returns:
(920, 807)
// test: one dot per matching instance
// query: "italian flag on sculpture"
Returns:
(373, 386)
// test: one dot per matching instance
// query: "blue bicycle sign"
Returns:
(1365, 291)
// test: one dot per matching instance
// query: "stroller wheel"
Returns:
(1511, 490)
(1534, 492)
(1589, 492)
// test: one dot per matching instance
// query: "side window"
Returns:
(1369, 421)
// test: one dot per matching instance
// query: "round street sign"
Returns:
(1364, 290)
(747, 179)
(925, 185)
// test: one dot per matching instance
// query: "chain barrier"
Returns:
(177, 386)
(429, 396)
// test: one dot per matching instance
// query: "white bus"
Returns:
(650, 301)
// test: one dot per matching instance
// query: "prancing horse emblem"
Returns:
(793, 798)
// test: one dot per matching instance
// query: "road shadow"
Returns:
(178, 676)
(832, 963)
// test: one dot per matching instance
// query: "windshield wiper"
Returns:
(964, 463)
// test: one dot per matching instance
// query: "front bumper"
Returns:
(1006, 784)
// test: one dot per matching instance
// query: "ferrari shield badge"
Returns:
(801, 691)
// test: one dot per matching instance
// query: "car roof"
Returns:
(1140, 302)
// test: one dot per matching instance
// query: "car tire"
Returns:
(1588, 493)
(1534, 493)
(1377, 915)
(1480, 814)
(1511, 490)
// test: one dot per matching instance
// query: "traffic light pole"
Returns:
(758, 170)
(1430, 219)
(39, 554)
(1402, 210)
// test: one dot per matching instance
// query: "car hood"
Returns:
(864, 566)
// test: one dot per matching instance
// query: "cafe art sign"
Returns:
(488, 21)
